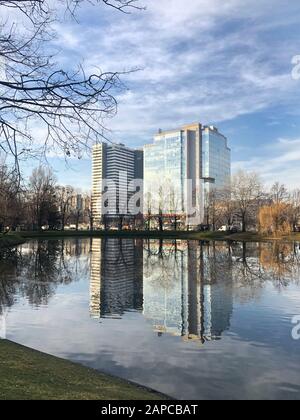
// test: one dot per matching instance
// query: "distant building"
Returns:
(77, 202)
(115, 166)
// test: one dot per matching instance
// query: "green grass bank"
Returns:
(26, 374)
(11, 240)
(184, 235)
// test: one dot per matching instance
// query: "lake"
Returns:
(194, 320)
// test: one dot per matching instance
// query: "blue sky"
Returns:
(219, 62)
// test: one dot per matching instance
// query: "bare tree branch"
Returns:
(67, 107)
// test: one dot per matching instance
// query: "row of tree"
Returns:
(40, 203)
(248, 204)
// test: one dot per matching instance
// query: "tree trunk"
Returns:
(244, 224)
(161, 224)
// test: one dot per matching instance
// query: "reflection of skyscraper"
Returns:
(95, 281)
(186, 292)
(217, 290)
(115, 277)
(195, 292)
(165, 285)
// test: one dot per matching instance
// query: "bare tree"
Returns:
(213, 208)
(89, 211)
(10, 199)
(246, 192)
(64, 197)
(278, 193)
(67, 107)
(42, 196)
(174, 207)
(226, 207)
(294, 201)
(160, 215)
(148, 204)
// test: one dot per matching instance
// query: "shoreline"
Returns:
(12, 240)
(28, 374)
(179, 235)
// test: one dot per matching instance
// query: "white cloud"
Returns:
(192, 68)
(206, 60)
(279, 162)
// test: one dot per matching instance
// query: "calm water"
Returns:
(190, 319)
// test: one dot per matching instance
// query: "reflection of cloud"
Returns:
(128, 348)
(255, 359)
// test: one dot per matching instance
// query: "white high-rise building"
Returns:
(115, 166)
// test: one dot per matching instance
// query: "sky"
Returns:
(226, 63)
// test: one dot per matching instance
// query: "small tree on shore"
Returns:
(294, 201)
(247, 191)
(41, 197)
(274, 219)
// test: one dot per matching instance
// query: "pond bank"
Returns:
(30, 375)
(180, 235)
(11, 240)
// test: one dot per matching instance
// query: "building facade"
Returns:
(115, 167)
(216, 159)
(180, 166)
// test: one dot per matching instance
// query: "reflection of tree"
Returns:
(163, 263)
(256, 264)
(37, 269)
(188, 288)
(8, 275)
(207, 276)
(217, 264)
(280, 261)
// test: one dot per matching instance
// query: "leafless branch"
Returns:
(67, 107)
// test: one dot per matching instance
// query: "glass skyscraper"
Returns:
(216, 159)
(181, 165)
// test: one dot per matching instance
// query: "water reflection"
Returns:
(184, 294)
(185, 289)
(155, 311)
(116, 284)
(36, 269)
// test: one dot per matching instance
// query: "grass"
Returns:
(184, 235)
(26, 374)
(10, 240)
